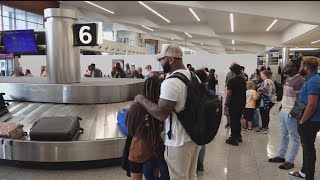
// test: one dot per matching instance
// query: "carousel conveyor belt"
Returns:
(102, 139)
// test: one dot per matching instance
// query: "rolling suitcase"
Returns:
(56, 129)
(121, 118)
(3, 105)
(11, 130)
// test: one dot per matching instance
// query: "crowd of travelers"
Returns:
(27, 73)
(159, 147)
(118, 72)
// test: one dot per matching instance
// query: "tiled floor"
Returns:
(248, 161)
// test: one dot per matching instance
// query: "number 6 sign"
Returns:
(89, 34)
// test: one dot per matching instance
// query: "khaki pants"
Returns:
(182, 161)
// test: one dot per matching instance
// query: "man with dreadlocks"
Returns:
(147, 148)
(181, 152)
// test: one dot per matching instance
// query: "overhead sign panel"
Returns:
(87, 34)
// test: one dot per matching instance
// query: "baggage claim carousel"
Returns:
(95, 100)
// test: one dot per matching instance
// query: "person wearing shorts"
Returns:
(248, 114)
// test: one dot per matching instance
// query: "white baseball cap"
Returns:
(170, 50)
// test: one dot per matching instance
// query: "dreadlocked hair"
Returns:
(151, 91)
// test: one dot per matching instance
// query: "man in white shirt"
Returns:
(181, 153)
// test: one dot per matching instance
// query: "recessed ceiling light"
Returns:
(194, 14)
(155, 12)
(172, 39)
(93, 4)
(147, 28)
(201, 43)
(271, 24)
(233, 49)
(187, 34)
(232, 41)
(315, 41)
(231, 22)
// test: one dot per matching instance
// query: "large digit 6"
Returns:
(83, 34)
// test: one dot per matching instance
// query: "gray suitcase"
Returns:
(56, 129)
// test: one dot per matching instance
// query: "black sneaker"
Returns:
(232, 141)
(263, 131)
(239, 140)
(200, 167)
(227, 126)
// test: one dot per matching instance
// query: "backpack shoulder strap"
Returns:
(181, 77)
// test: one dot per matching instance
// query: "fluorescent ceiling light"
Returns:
(231, 22)
(187, 34)
(99, 7)
(155, 12)
(303, 49)
(194, 14)
(201, 43)
(315, 41)
(147, 28)
(232, 41)
(272, 24)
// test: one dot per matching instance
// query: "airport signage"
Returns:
(87, 34)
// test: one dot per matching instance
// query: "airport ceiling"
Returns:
(289, 23)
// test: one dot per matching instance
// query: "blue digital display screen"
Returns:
(19, 41)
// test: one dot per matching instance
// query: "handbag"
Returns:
(140, 150)
(297, 110)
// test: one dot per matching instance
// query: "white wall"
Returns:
(219, 62)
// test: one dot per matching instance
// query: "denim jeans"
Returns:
(288, 131)
(308, 133)
(202, 153)
(152, 164)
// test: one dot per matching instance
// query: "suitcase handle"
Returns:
(79, 118)
(2, 94)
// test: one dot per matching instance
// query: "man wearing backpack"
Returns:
(181, 152)
(236, 101)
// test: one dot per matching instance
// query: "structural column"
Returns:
(63, 59)
(285, 56)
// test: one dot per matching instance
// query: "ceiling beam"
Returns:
(267, 39)
(297, 30)
(247, 48)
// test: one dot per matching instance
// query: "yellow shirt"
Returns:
(251, 96)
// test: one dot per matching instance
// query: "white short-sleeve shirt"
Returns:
(175, 90)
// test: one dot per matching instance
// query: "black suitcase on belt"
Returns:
(3, 105)
(56, 129)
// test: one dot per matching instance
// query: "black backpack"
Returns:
(202, 114)
(279, 90)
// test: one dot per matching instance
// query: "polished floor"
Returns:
(248, 161)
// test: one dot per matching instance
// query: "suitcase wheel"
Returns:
(81, 130)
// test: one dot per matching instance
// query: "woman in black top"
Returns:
(212, 82)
